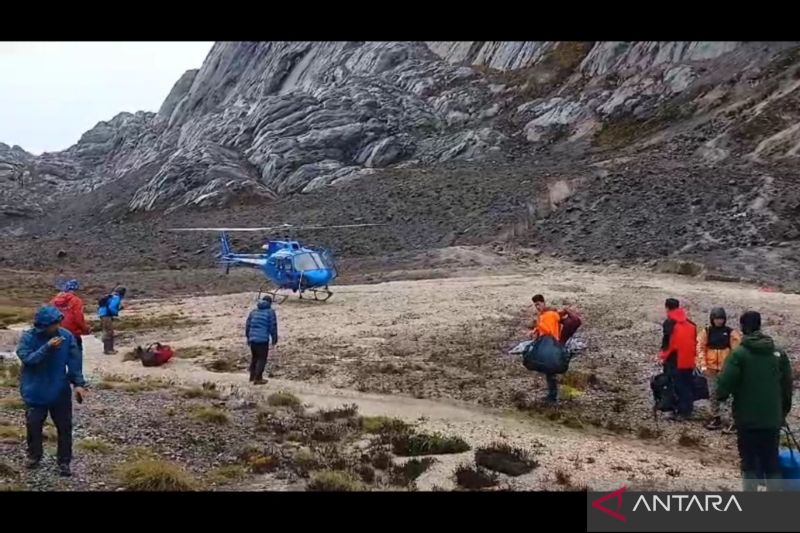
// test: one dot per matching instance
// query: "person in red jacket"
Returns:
(678, 351)
(71, 306)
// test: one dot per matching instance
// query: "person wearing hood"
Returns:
(759, 377)
(71, 306)
(260, 328)
(714, 344)
(51, 362)
(678, 352)
(107, 310)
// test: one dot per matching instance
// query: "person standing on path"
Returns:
(678, 353)
(548, 322)
(759, 377)
(108, 308)
(260, 328)
(51, 362)
(71, 306)
(714, 344)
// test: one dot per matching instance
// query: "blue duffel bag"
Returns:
(546, 355)
(789, 460)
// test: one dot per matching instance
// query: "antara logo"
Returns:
(616, 494)
(669, 502)
(675, 502)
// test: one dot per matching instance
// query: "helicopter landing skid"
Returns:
(320, 295)
(277, 296)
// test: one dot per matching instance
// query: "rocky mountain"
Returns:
(262, 122)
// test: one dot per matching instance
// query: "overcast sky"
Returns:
(50, 93)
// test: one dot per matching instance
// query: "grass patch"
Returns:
(345, 411)
(13, 402)
(220, 365)
(210, 415)
(367, 473)
(305, 460)
(428, 444)
(572, 422)
(689, 441)
(646, 433)
(501, 457)
(135, 385)
(150, 322)
(207, 390)
(381, 460)
(563, 477)
(192, 352)
(13, 314)
(408, 472)
(136, 453)
(9, 374)
(578, 381)
(284, 399)
(95, 445)
(334, 481)
(155, 475)
(7, 471)
(383, 425)
(261, 464)
(475, 478)
(328, 432)
(11, 487)
(11, 433)
(226, 474)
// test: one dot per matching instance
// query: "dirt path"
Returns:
(402, 323)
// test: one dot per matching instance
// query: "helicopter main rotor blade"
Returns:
(283, 227)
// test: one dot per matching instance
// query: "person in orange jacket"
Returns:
(548, 322)
(71, 306)
(678, 353)
(715, 343)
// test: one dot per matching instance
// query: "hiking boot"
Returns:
(259, 382)
(714, 424)
(64, 470)
(33, 463)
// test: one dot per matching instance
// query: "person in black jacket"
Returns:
(261, 326)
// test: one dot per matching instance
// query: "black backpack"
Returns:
(664, 396)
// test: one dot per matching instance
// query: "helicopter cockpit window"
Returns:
(319, 260)
(304, 262)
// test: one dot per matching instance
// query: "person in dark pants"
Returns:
(678, 352)
(759, 377)
(260, 328)
(51, 362)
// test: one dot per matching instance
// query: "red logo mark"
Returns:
(597, 504)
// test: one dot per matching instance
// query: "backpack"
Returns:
(699, 386)
(103, 302)
(664, 396)
(546, 355)
(154, 357)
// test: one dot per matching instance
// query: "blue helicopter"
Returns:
(287, 264)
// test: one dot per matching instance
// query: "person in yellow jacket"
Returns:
(715, 342)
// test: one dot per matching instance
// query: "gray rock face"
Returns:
(262, 119)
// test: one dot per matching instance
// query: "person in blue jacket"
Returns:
(261, 326)
(51, 362)
(108, 308)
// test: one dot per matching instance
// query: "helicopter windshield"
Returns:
(310, 261)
